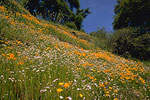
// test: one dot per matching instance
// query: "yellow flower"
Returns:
(101, 85)
(69, 83)
(25, 57)
(107, 92)
(59, 90)
(15, 58)
(91, 77)
(11, 56)
(115, 91)
(21, 62)
(3, 54)
(18, 42)
(80, 95)
(84, 54)
(2, 9)
(66, 85)
(107, 95)
(127, 78)
(123, 81)
(110, 88)
(106, 82)
(142, 80)
(6, 42)
(116, 99)
(60, 83)
(94, 80)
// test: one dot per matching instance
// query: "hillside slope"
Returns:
(43, 61)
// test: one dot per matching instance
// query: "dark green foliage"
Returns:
(22, 2)
(133, 41)
(71, 25)
(128, 43)
(60, 11)
(78, 21)
(121, 41)
(142, 46)
(132, 13)
(32, 5)
(74, 4)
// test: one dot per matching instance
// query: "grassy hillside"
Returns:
(40, 60)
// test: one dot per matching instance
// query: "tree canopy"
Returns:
(61, 11)
(132, 13)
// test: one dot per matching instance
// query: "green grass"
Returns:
(146, 63)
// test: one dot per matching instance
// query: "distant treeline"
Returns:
(131, 36)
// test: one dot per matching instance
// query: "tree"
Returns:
(74, 4)
(132, 13)
(80, 15)
(126, 42)
(61, 11)
(32, 5)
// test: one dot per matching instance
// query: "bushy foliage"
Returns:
(71, 25)
(101, 38)
(128, 43)
(132, 13)
(142, 46)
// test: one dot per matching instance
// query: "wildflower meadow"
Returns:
(40, 60)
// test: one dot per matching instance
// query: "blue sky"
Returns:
(101, 16)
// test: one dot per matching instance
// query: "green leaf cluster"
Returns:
(128, 43)
(132, 13)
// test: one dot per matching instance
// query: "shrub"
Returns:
(141, 46)
(128, 43)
